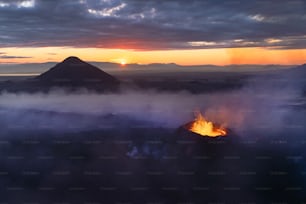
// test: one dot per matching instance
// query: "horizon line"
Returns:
(161, 63)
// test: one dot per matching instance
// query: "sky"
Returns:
(192, 32)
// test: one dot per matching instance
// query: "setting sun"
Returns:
(122, 62)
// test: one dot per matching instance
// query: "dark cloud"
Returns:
(153, 24)
(4, 56)
(12, 57)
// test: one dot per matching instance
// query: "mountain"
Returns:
(72, 74)
(72, 69)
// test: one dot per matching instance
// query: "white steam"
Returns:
(249, 108)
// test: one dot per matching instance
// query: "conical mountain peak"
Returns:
(74, 69)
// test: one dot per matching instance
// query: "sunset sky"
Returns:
(190, 32)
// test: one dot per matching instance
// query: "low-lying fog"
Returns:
(259, 106)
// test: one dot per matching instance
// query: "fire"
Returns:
(205, 128)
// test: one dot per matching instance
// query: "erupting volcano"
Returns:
(205, 128)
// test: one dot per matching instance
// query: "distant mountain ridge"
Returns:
(73, 74)
(115, 68)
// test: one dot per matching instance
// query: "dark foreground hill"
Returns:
(147, 165)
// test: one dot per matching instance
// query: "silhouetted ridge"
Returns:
(74, 69)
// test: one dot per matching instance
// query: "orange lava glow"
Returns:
(204, 127)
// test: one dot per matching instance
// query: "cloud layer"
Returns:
(149, 25)
(4, 55)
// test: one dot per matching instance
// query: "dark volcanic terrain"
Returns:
(76, 135)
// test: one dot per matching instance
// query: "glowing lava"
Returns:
(205, 128)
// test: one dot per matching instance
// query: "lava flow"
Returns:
(205, 128)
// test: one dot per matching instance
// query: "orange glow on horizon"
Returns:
(224, 56)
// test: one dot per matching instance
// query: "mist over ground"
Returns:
(261, 104)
